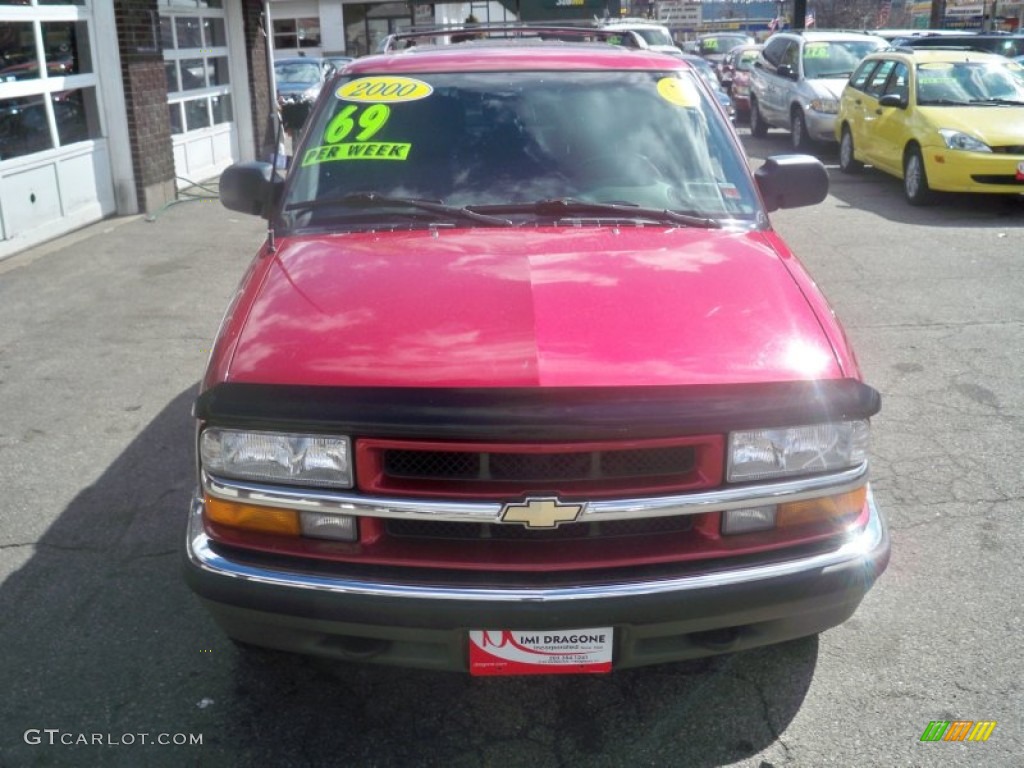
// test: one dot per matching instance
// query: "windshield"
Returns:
(297, 72)
(654, 35)
(970, 83)
(645, 139)
(836, 58)
(746, 60)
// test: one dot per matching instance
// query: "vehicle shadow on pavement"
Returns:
(103, 640)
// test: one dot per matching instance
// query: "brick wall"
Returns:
(259, 78)
(145, 92)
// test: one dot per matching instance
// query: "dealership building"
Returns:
(110, 107)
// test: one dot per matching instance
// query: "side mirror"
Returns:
(791, 181)
(893, 100)
(251, 188)
(786, 70)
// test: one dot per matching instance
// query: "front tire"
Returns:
(758, 127)
(915, 179)
(848, 163)
(798, 132)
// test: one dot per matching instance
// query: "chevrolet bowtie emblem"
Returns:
(540, 513)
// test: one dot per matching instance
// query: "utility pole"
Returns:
(938, 14)
(799, 13)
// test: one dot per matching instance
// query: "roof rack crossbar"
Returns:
(456, 33)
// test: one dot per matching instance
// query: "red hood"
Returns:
(549, 307)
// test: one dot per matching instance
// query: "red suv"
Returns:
(523, 381)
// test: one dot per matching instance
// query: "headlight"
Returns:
(762, 454)
(276, 457)
(963, 141)
(828, 106)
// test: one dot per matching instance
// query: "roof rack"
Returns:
(451, 34)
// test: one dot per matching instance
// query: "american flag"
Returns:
(809, 19)
(773, 24)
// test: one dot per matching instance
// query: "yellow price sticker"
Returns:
(384, 89)
(678, 92)
(362, 150)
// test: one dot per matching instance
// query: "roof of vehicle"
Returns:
(925, 55)
(826, 35)
(522, 56)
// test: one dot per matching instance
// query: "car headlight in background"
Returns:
(276, 457)
(764, 454)
(310, 94)
(827, 106)
(959, 140)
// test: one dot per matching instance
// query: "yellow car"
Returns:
(942, 120)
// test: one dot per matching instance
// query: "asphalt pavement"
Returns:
(108, 659)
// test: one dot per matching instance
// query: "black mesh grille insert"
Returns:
(427, 529)
(446, 466)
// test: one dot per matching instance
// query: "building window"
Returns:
(297, 33)
(196, 66)
(47, 80)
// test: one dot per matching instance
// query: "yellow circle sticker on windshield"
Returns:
(383, 89)
(678, 92)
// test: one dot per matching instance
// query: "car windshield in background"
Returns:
(654, 35)
(515, 142)
(836, 58)
(746, 60)
(970, 83)
(297, 72)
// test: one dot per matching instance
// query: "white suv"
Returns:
(797, 79)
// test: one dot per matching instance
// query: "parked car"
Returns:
(1005, 45)
(707, 72)
(939, 119)
(796, 82)
(299, 81)
(523, 381)
(735, 77)
(300, 78)
(715, 46)
(653, 36)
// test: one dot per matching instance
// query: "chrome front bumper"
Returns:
(862, 549)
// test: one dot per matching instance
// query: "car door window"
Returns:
(773, 51)
(876, 85)
(897, 82)
(863, 73)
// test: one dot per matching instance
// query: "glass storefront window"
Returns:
(177, 124)
(166, 32)
(193, 74)
(23, 126)
(66, 45)
(77, 114)
(197, 114)
(18, 57)
(171, 68)
(215, 34)
(221, 109)
(190, 33)
(217, 66)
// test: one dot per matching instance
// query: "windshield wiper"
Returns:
(1008, 102)
(374, 200)
(566, 206)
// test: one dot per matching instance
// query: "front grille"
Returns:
(420, 529)
(1017, 149)
(511, 471)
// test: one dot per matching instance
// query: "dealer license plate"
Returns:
(547, 652)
